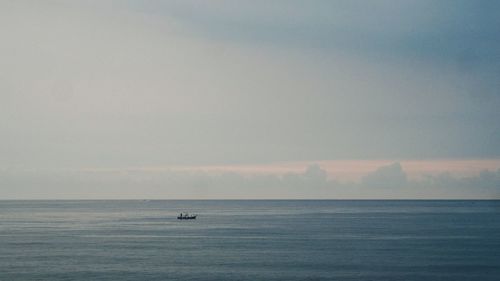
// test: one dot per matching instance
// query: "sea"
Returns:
(250, 240)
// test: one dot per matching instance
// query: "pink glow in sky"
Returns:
(354, 170)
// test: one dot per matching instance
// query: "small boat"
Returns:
(186, 216)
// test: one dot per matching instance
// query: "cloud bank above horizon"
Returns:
(389, 181)
(93, 88)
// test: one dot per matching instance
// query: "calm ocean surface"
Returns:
(250, 240)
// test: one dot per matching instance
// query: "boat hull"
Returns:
(186, 218)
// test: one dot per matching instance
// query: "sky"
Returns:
(249, 99)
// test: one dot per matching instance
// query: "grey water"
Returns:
(250, 240)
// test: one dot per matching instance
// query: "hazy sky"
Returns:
(249, 99)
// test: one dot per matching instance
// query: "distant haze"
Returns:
(249, 99)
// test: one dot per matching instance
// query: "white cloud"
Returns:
(391, 176)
